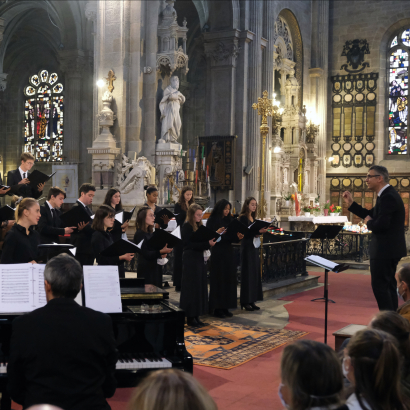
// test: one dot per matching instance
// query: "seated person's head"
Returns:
(397, 326)
(63, 277)
(87, 192)
(311, 376)
(27, 161)
(372, 364)
(171, 390)
(403, 282)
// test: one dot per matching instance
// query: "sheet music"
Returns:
(39, 291)
(177, 232)
(16, 288)
(102, 288)
(321, 261)
(119, 217)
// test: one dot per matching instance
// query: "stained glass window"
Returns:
(398, 93)
(44, 117)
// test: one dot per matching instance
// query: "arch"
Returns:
(203, 11)
(296, 38)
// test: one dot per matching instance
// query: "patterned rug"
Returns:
(227, 345)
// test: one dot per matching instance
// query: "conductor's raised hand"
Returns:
(263, 230)
(24, 181)
(165, 250)
(212, 242)
(347, 197)
(69, 229)
(220, 230)
(240, 236)
(82, 225)
(40, 187)
(127, 257)
(4, 191)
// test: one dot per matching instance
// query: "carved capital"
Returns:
(222, 53)
(73, 62)
(91, 11)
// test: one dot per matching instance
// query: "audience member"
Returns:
(62, 354)
(403, 289)
(171, 390)
(399, 327)
(371, 363)
(311, 376)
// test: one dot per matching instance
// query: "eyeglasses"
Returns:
(111, 217)
(371, 176)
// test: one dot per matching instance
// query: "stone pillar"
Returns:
(320, 54)
(253, 145)
(72, 64)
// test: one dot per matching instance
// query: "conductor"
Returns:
(388, 244)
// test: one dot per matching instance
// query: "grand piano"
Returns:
(149, 337)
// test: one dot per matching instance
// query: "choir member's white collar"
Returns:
(48, 203)
(85, 206)
(23, 172)
(381, 191)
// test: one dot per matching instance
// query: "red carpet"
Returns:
(254, 385)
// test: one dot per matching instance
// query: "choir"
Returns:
(93, 233)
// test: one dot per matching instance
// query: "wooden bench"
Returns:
(344, 333)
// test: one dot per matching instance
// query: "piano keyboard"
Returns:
(136, 361)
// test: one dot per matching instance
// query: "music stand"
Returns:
(54, 249)
(323, 232)
(327, 266)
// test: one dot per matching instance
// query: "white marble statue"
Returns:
(169, 107)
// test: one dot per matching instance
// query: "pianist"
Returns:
(62, 354)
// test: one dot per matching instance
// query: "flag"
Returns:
(196, 176)
(181, 153)
(200, 188)
(203, 151)
(194, 164)
(177, 175)
(203, 164)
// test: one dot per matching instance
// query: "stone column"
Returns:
(320, 54)
(72, 64)
(253, 144)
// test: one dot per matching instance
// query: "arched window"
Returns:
(398, 92)
(44, 117)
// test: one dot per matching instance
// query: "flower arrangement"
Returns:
(287, 197)
(332, 209)
(316, 210)
(307, 208)
(317, 199)
(326, 205)
(292, 197)
(338, 209)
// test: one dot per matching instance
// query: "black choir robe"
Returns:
(251, 282)
(180, 219)
(194, 286)
(18, 247)
(147, 266)
(222, 274)
(26, 191)
(102, 240)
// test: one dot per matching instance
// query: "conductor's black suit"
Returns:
(63, 354)
(387, 246)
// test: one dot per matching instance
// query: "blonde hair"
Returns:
(26, 203)
(190, 215)
(170, 390)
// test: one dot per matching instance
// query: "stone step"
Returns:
(299, 284)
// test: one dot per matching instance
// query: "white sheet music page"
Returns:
(39, 291)
(16, 288)
(102, 288)
(321, 261)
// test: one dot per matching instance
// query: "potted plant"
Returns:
(307, 210)
(287, 199)
(332, 209)
(326, 208)
(316, 210)
(317, 200)
(338, 210)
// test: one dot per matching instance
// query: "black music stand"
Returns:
(50, 250)
(327, 266)
(323, 232)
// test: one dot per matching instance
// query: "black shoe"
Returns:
(255, 307)
(247, 307)
(199, 322)
(219, 313)
(227, 313)
(177, 288)
(191, 321)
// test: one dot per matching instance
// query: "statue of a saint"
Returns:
(169, 107)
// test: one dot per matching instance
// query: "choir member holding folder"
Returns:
(50, 225)
(194, 288)
(102, 239)
(113, 199)
(152, 198)
(20, 243)
(181, 207)
(147, 265)
(251, 282)
(222, 274)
